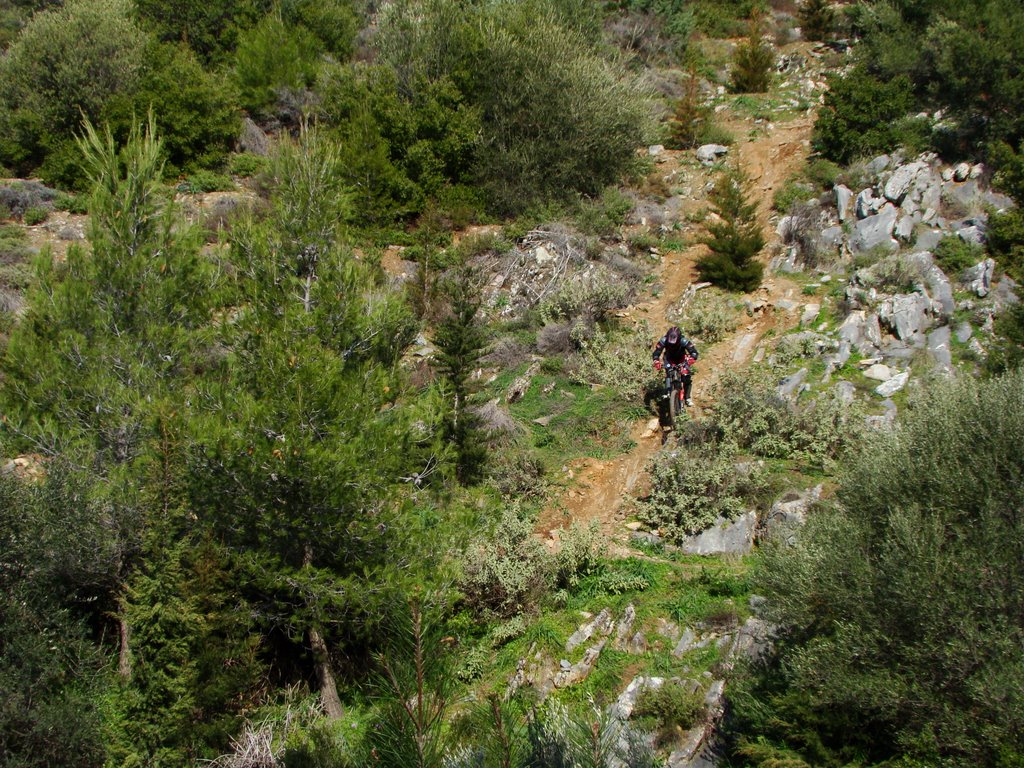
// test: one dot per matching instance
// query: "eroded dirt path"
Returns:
(598, 489)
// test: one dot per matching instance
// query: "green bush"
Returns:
(954, 255)
(603, 216)
(196, 111)
(207, 181)
(591, 297)
(1006, 241)
(792, 193)
(506, 573)
(209, 27)
(1006, 352)
(690, 117)
(899, 607)
(824, 173)
(861, 115)
(36, 215)
(709, 316)
(77, 204)
(334, 22)
(557, 118)
(694, 485)
(817, 19)
(246, 164)
(273, 58)
(750, 415)
(67, 62)
(671, 708)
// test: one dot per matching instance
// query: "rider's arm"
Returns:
(691, 350)
(658, 349)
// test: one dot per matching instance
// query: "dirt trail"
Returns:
(598, 488)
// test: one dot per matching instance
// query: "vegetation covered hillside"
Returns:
(330, 430)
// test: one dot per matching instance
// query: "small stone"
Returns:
(893, 385)
(879, 372)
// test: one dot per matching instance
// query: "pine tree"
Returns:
(690, 117)
(816, 19)
(297, 449)
(460, 338)
(735, 238)
(753, 62)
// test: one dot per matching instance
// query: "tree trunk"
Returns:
(124, 656)
(322, 662)
(328, 690)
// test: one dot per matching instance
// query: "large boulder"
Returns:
(979, 277)
(905, 315)
(898, 185)
(939, 288)
(939, 348)
(844, 196)
(725, 537)
(709, 154)
(875, 231)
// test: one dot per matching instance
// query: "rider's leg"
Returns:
(687, 386)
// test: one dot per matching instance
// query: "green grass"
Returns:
(582, 420)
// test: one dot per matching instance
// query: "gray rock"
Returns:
(832, 237)
(905, 315)
(867, 203)
(845, 391)
(977, 171)
(602, 624)
(893, 385)
(253, 139)
(645, 537)
(999, 202)
(963, 332)
(788, 513)
(844, 196)
(879, 372)
(810, 313)
(709, 153)
(786, 305)
(973, 234)
(666, 628)
(1004, 294)
(626, 703)
(790, 386)
(655, 149)
(962, 172)
(875, 231)
(967, 196)
(898, 185)
(686, 643)
(581, 669)
(724, 537)
(939, 348)
(839, 358)
(625, 626)
(928, 238)
(879, 164)
(852, 327)
(753, 640)
(938, 284)
(979, 277)
(904, 229)
(637, 643)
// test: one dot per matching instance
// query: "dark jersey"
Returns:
(675, 353)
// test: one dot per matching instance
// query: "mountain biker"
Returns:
(678, 350)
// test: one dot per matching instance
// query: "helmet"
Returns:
(673, 336)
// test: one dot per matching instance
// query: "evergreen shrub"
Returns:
(734, 238)
(899, 607)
